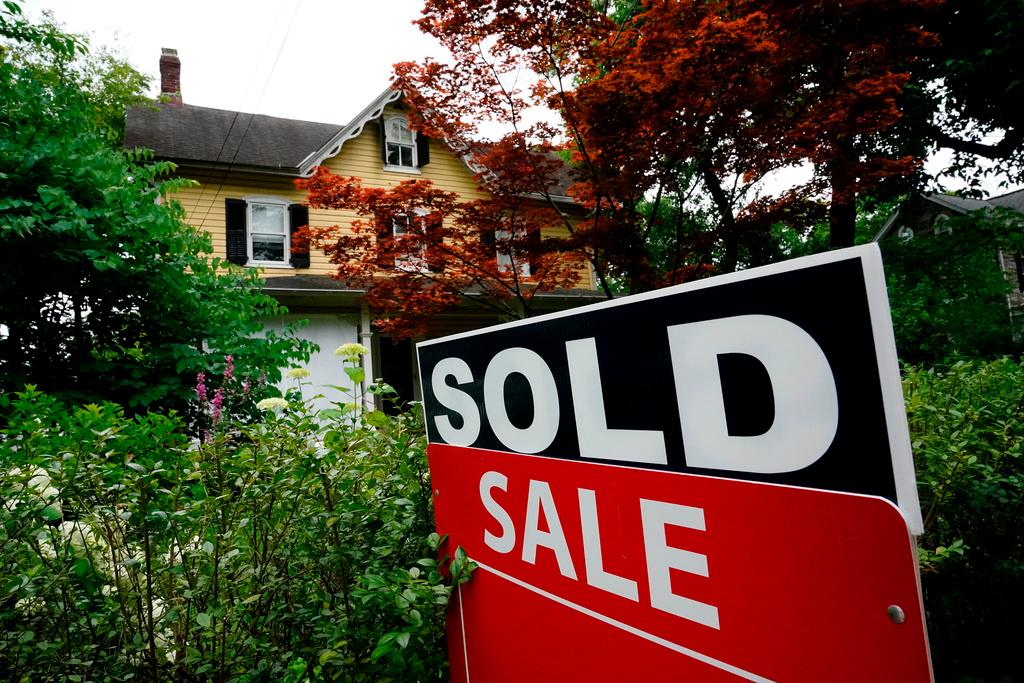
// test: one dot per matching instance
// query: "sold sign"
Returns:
(712, 470)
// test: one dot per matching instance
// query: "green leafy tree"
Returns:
(107, 293)
(967, 432)
(101, 77)
(972, 84)
(286, 547)
(948, 292)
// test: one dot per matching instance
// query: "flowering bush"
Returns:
(968, 435)
(225, 399)
(288, 548)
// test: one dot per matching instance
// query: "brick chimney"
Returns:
(170, 77)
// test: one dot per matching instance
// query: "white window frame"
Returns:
(506, 259)
(410, 144)
(411, 263)
(941, 225)
(266, 200)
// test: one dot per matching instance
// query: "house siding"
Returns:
(360, 157)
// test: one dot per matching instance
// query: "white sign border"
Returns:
(881, 327)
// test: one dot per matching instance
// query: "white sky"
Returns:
(315, 60)
(335, 58)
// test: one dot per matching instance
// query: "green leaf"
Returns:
(82, 567)
(52, 512)
(377, 419)
(203, 619)
(357, 375)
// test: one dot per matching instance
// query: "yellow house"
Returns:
(245, 166)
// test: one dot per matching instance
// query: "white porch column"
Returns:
(366, 339)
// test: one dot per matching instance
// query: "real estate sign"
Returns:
(711, 481)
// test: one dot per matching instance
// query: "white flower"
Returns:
(351, 351)
(40, 482)
(159, 608)
(298, 373)
(83, 539)
(38, 486)
(273, 404)
(46, 548)
(29, 605)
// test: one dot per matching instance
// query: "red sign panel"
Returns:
(607, 573)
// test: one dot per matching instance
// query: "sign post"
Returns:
(707, 482)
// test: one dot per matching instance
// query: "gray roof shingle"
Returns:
(1011, 200)
(217, 136)
(288, 146)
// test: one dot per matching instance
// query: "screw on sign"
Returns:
(747, 524)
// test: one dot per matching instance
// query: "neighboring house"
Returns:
(246, 200)
(930, 214)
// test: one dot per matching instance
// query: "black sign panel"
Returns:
(785, 374)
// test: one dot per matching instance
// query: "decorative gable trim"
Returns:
(353, 129)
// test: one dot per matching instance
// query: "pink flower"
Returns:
(201, 387)
(217, 404)
(229, 368)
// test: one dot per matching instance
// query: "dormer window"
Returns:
(404, 150)
(400, 143)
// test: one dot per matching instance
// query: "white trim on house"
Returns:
(285, 234)
(353, 129)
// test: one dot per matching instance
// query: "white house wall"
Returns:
(328, 331)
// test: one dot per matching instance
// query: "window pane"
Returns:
(401, 225)
(394, 154)
(412, 252)
(406, 156)
(268, 248)
(267, 218)
(398, 130)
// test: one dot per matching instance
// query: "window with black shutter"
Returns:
(514, 258)
(402, 148)
(259, 231)
(409, 244)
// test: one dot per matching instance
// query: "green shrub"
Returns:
(967, 426)
(289, 548)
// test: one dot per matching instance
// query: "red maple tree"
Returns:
(657, 100)
(420, 250)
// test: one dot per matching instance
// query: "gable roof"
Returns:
(220, 137)
(333, 146)
(265, 144)
(960, 205)
(1011, 200)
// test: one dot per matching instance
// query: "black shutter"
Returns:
(385, 244)
(237, 242)
(383, 141)
(487, 238)
(533, 247)
(422, 149)
(435, 245)
(298, 217)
